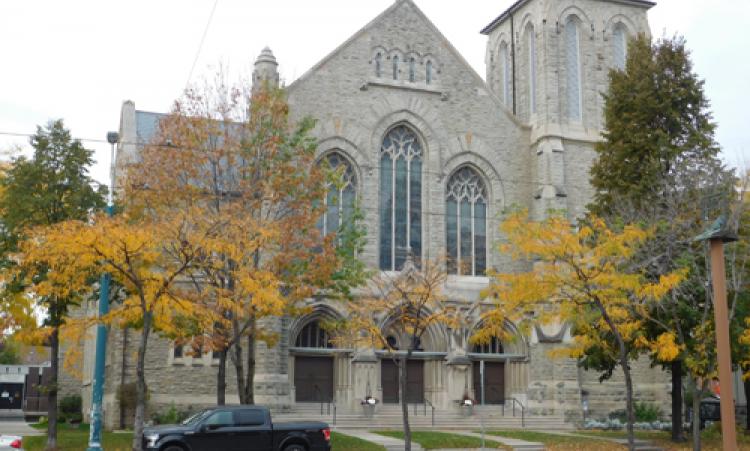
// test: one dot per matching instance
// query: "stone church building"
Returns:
(435, 154)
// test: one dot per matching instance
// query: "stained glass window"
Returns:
(400, 198)
(493, 347)
(395, 67)
(313, 336)
(619, 46)
(573, 68)
(378, 64)
(340, 196)
(505, 78)
(531, 40)
(466, 223)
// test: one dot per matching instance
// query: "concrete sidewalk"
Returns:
(390, 443)
(18, 428)
(516, 444)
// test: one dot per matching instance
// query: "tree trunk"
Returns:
(250, 378)
(628, 394)
(404, 405)
(221, 379)
(697, 394)
(239, 370)
(623, 354)
(54, 342)
(677, 432)
(140, 384)
(747, 403)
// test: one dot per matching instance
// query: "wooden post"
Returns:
(721, 315)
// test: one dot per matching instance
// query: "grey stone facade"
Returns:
(538, 159)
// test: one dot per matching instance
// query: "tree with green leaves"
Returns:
(658, 165)
(50, 187)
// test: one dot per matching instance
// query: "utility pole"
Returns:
(95, 435)
(717, 235)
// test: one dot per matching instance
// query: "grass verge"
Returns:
(76, 439)
(435, 440)
(347, 442)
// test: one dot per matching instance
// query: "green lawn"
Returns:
(541, 437)
(78, 439)
(434, 440)
(349, 443)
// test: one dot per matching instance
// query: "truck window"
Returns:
(222, 418)
(249, 418)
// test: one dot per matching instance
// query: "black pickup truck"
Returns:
(237, 428)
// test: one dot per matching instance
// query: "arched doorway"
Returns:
(313, 374)
(493, 374)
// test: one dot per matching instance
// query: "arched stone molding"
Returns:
(518, 345)
(485, 169)
(434, 339)
(572, 10)
(609, 28)
(414, 113)
(527, 21)
(320, 312)
(344, 147)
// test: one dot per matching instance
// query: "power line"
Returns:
(200, 45)
(440, 174)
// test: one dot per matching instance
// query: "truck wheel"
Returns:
(173, 448)
(294, 448)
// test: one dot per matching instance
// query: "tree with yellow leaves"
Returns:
(579, 272)
(247, 173)
(51, 186)
(402, 306)
(149, 258)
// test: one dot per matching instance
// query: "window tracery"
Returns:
(466, 223)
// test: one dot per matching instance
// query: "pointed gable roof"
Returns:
(382, 16)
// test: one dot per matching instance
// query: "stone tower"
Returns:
(266, 70)
(548, 61)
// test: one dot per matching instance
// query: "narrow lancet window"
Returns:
(395, 67)
(378, 65)
(573, 69)
(400, 198)
(466, 223)
(412, 70)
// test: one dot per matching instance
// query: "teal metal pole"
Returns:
(95, 434)
(97, 414)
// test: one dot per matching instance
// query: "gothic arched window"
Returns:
(313, 336)
(400, 197)
(395, 67)
(466, 223)
(505, 78)
(340, 196)
(619, 46)
(531, 46)
(412, 70)
(573, 68)
(378, 64)
(493, 347)
(428, 74)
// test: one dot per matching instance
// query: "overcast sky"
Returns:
(79, 60)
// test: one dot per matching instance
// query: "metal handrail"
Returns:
(523, 410)
(427, 401)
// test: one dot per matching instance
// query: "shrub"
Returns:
(170, 416)
(647, 413)
(70, 409)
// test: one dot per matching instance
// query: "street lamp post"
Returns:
(95, 436)
(717, 235)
